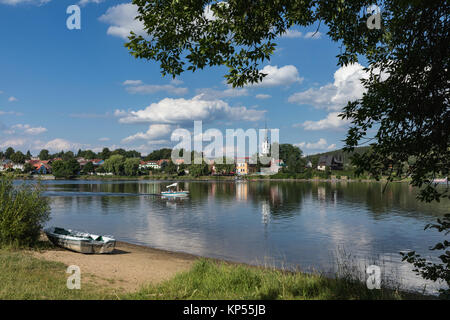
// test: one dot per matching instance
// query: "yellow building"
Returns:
(243, 167)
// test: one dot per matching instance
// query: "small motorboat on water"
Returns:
(78, 241)
(173, 191)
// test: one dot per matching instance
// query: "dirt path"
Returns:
(127, 268)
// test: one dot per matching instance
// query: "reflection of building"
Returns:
(321, 193)
(241, 191)
(265, 212)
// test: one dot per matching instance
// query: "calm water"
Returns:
(293, 224)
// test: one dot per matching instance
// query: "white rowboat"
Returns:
(78, 241)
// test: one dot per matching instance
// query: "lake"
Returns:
(307, 225)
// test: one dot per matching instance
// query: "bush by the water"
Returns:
(23, 211)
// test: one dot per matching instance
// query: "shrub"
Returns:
(23, 211)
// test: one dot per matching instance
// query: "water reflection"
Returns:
(288, 223)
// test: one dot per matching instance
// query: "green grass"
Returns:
(213, 280)
(25, 277)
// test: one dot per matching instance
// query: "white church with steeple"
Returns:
(265, 147)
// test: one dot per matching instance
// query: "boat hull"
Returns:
(175, 194)
(81, 245)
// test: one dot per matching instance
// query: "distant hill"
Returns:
(345, 156)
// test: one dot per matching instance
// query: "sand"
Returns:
(127, 269)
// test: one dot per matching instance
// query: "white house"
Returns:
(149, 165)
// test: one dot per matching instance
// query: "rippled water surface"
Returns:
(310, 225)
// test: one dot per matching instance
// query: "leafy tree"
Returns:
(105, 154)
(133, 154)
(119, 151)
(2, 155)
(44, 155)
(131, 166)
(18, 157)
(291, 156)
(65, 169)
(68, 156)
(88, 167)
(170, 168)
(89, 154)
(29, 155)
(100, 170)
(227, 166)
(9, 152)
(27, 168)
(197, 170)
(115, 164)
(164, 153)
(23, 212)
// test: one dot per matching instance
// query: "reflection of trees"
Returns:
(400, 197)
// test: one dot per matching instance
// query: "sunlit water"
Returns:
(309, 225)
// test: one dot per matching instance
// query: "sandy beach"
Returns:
(126, 269)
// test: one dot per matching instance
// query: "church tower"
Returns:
(265, 148)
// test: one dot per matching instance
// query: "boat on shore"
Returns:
(79, 241)
(173, 191)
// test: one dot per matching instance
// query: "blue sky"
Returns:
(66, 89)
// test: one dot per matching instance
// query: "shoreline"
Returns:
(133, 267)
(203, 178)
(127, 269)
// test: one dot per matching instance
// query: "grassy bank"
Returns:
(26, 277)
(216, 280)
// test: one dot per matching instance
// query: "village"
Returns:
(131, 163)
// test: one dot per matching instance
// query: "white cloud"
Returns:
(84, 2)
(331, 146)
(122, 20)
(138, 87)
(283, 76)
(10, 113)
(15, 2)
(14, 143)
(56, 145)
(172, 111)
(12, 99)
(104, 139)
(132, 82)
(213, 94)
(313, 35)
(263, 96)
(332, 121)
(346, 87)
(154, 131)
(319, 145)
(176, 82)
(26, 128)
(291, 33)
